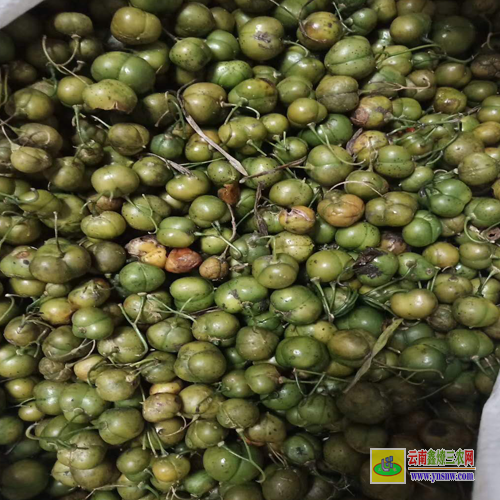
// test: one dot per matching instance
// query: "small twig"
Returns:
(233, 221)
(172, 164)
(379, 345)
(280, 167)
(233, 161)
(261, 225)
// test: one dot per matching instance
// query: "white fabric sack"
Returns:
(10, 9)
(487, 479)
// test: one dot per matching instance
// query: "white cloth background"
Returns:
(487, 484)
(10, 9)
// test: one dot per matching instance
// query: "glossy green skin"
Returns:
(256, 93)
(385, 81)
(244, 134)
(477, 91)
(128, 139)
(336, 128)
(475, 312)
(167, 146)
(261, 38)
(297, 62)
(262, 379)
(297, 304)
(358, 237)
(176, 232)
(200, 362)
(135, 27)
(294, 87)
(145, 212)
(12, 429)
(138, 277)
(224, 45)
(107, 225)
(483, 212)
(259, 165)
(477, 169)
(241, 295)
(302, 448)
(447, 198)
(408, 108)
(228, 74)
(24, 479)
(349, 347)
(194, 20)
(454, 34)
(275, 272)
(378, 269)
(217, 327)
(89, 453)
(256, 344)
(114, 180)
(192, 293)
(338, 94)
(126, 68)
(30, 160)
(237, 413)
(397, 57)
(14, 365)
(291, 192)
(169, 335)
(156, 54)
(188, 187)
(223, 465)
(415, 304)
(59, 264)
(118, 425)
(362, 22)
(366, 185)
(329, 166)
(92, 323)
(191, 54)
(319, 31)
(268, 73)
(203, 103)
(328, 265)
(414, 267)
(394, 209)
(302, 353)
(409, 29)
(470, 344)
(394, 162)
(81, 403)
(108, 257)
(490, 109)
(452, 74)
(206, 210)
(62, 345)
(286, 397)
(424, 230)
(248, 248)
(30, 104)
(234, 385)
(363, 317)
(305, 111)
(350, 57)
(16, 263)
